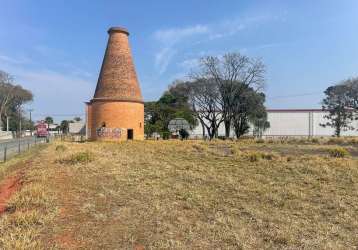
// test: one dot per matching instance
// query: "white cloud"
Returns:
(169, 38)
(174, 35)
(226, 29)
(54, 92)
(163, 57)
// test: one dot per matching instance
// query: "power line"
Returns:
(294, 96)
(48, 114)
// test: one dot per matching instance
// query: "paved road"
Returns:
(13, 146)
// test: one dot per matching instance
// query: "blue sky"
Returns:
(55, 48)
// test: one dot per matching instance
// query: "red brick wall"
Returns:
(124, 115)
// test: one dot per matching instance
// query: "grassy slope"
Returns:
(185, 195)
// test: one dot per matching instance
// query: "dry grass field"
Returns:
(185, 195)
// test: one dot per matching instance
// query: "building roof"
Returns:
(294, 110)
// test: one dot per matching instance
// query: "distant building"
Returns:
(290, 123)
(4, 135)
(116, 111)
(77, 128)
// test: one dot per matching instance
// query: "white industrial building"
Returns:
(290, 123)
(283, 123)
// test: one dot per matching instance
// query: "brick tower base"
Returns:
(113, 121)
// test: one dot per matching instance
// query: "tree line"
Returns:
(229, 90)
(12, 99)
(12, 113)
(226, 89)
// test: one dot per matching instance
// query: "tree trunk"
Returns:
(338, 131)
(203, 127)
(227, 123)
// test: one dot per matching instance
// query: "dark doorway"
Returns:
(130, 134)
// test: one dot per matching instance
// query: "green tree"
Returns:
(172, 104)
(12, 98)
(64, 126)
(249, 109)
(338, 105)
(352, 87)
(49, 120)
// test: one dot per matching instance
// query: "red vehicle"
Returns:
(41, 129)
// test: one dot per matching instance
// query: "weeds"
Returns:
(186, 195)
(338, 152)
(61, 148)
(260, 141)
(256, 156)
(77, 158)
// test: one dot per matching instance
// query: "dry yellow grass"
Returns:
(185, 195)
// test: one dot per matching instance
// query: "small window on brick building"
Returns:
(140, 124)
(103, 124)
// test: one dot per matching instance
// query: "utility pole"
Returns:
(30, 110)
(20, 128)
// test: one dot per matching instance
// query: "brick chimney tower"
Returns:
(116, 111)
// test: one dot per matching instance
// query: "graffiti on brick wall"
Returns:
(104, 132)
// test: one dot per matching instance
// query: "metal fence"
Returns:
(10, 148)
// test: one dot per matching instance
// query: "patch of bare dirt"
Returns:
(8, 187)
(11, 184)
(221, 149)
(66, 241)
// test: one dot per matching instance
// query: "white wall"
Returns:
(290, 123)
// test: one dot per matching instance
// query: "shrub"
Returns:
(260, 141)
(183, 134)
(268, 156)
(166, 135)
(353, 141)
(256, 156)
(338, 152)
(314, 140)
(289, 158)
(303, 141)
(336, 140)
(80, 157)
(60, 148)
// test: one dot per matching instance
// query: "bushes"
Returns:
(165, 135)
(315, 140)
(260, 141)
(338, 152)
(336, 140)
(61, 148)
(256, 156)
(77, 158)
(183, 134)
